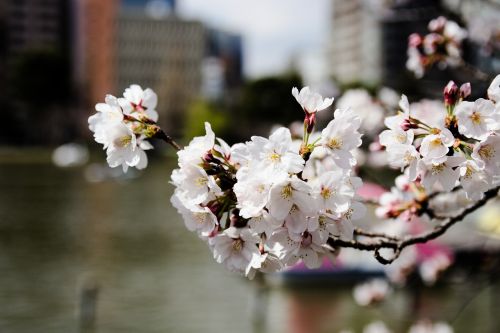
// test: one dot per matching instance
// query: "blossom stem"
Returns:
(168, 139)
(397, 244)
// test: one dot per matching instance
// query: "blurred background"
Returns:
(85, 248)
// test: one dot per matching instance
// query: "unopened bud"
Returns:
(450, 93)
(236, 220)
(375, 146)
(414, 40)
(208, 157)
(310, 121)
(407, 124)
(465, 90)
(214, 207)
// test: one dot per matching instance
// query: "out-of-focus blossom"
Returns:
(371, 292)
(429, 327)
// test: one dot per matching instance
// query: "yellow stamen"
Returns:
(334, 143)
(287, 191)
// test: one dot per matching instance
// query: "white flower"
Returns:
(414, 62)
(362, 104)
(297, 221)
(487, 154)
(331, 191)
(376, 327)
(340, 137)
(252, 191)
(370, 292)
(473, 180)
(428, 327)
(264, 223)
(195, 184)
(197, 148)
(431, 268)
(441, 173)
(276, 152)
(454, 32)
(396, 136)
(289, 192)
(430, 112)
(292, 247)
(494, 89)
(266, 263)
(404, 155)
(311, 102)
(196, 218)
(434, 147)
(475, 118)
(328, 225)
(235, 248)
(395, 122)
(355, 211)
(137, 101)
(122, 148)
(108, 114)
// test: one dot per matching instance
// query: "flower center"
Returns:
(348, 214)
(201, 181)
(199, 218)
(237, 245)
(438, 168)
(287, 191)
(322, 222)
(401, 138)
(486, 152)
(468, 172)
(476, 118)
(123, 141)
(274, 157)
(334, 143)
(408, 158)
(436, 142)
(326, 193)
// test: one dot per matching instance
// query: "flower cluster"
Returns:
(442, 46)
(460, 147)
(123, 125)
(270, 202)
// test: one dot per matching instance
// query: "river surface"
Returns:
(114, 256)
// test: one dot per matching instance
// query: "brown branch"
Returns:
(168, 139)
(361, 232)
(398, 244)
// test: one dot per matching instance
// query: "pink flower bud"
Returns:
(465, 90)
(451, 93)
(414, 40)
(407, 124)
(310, 121)
(376, 146)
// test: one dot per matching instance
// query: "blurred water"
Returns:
(60, 234)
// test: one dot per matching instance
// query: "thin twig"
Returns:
(361, 232)
(398, 244)
(168, 139)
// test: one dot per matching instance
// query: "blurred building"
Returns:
(223, 66)
(36, 24)
(165, 54)
(161, 7)
(355, 42)
(94, 49)
(35, 71)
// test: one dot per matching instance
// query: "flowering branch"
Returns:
(265, 204)
(398, 244)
